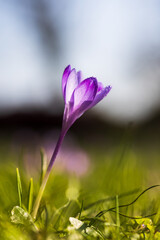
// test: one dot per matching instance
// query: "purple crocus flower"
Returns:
(79, 95)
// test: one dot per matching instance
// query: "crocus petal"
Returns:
(89, 104)
(64, 79)
(79, 76)
(70, 117)
(100, 86)
(85, 91)
(83, 107)
(72, 83)
(79, 95)
(100, 95)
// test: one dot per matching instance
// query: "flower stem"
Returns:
(45, 179)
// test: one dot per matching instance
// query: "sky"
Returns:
(116, 41)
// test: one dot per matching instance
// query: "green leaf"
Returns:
(30, 195)
(19, 185)
(146, 221)
(20, 216)
(157, 236)
(62, 215)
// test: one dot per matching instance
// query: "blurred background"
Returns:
(117, 42)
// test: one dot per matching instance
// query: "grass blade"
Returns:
(126, 205)
(117, 213)
(101, 213)
(19, 186)
(99, 232)
(131, 217)
(112, 198)
(30, 195)
(80, 211)
(43, 165)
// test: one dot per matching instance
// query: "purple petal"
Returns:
(85, 91)
(79, 76)
(64, 78)
(71, 84)
(89, 104)
(100, 95)
(100, 86)
(82, 108)
(70, 117)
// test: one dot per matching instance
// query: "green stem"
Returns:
(45, 179)
(39, 196)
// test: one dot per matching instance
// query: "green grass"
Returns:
(105, 203)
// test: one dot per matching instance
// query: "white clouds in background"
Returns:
(116, 41)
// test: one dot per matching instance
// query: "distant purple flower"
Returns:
(79, 95)
(74, 161)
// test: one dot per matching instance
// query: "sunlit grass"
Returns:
(75, 206)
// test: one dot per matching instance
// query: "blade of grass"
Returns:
(30, 195)
(43, 165)
(126, 216)
(117, 214)
(99, 232)
(101, 213)
(129, 204)
(112, 198)
(19, 186)
(80, 210)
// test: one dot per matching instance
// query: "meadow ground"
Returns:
(107, 194)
